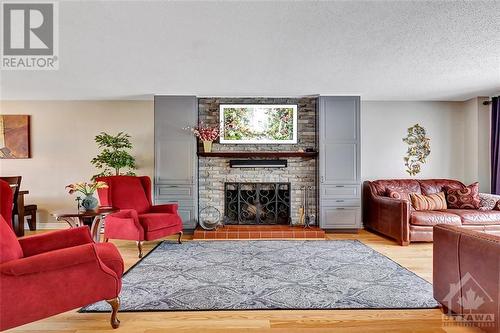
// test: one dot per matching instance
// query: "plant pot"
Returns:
(90, 202)
(207, 146)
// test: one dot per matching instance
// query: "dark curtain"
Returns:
(495, 145)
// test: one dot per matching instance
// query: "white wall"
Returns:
(484, 145)
(384, 124)
(62, 144)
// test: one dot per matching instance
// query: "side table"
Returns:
(77, 218)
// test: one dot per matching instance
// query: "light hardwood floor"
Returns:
(416, 257)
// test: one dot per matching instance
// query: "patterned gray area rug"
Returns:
(253, 275)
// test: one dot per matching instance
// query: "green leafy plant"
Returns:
(419, 149)
(114, 155)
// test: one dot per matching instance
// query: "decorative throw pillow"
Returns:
(488, 201)
(400, 193)
(465, 198)
(433, 201)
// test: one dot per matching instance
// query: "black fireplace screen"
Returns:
(257, 203)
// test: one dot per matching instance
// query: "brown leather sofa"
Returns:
(466, 275)
(396, 219)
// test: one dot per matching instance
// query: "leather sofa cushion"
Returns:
(430, 218)
(157, 221)
(382, 186)
(477, 217)
(430, 186)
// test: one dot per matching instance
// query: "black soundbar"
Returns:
(258, 163)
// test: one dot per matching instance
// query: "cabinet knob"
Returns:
(322, 179)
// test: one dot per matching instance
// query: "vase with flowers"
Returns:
(89, 202)
(206, 134)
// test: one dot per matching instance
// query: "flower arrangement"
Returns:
(205, 133)
(418, 149)
(85, 188)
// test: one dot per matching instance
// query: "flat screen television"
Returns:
(258, 123)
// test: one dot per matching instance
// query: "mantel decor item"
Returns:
(14, 136)
(418, 149)
(89, 202)
(206, 134)
(210, 218)
(114, 155)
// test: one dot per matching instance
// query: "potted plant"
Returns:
(89, 202)
(207, 134)
(114, 156)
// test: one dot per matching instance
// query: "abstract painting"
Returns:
(14, 136)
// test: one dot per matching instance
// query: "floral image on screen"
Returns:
(258, 123)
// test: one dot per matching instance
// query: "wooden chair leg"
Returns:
(32, 221)
(139, 247)
(180, 237)
(115, 305)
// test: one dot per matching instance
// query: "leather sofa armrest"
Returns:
(55, 240)
(51, 261)
(392, 217)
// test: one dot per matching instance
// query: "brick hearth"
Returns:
(259, 232)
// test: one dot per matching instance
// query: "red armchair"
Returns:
(54, 272)
(138, 219)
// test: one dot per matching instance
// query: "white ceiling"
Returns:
(380, 50)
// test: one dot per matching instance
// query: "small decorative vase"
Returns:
(207, 146)
(89, 202)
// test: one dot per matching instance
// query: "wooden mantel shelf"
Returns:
(250, 154)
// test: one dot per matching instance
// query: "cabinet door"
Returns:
(340, 118)
(340, 217)
(339, 139)
(340, 163)
(187, 215)
(175, 147)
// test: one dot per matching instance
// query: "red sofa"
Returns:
(396, 219)
(138, 219)
(466, 263)
(54, 272)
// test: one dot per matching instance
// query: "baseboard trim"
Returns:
(51, 226)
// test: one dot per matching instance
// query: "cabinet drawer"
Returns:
(340, 191)
(340, 217)
(176, 192)
(341, 202)
(180, 203)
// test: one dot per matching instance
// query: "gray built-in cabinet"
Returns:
(339, 162)
(175, 155)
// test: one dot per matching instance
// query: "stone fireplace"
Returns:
(257, 203)
(216, 177)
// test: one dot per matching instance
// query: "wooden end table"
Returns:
(90, 218)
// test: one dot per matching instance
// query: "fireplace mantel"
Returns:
(250, 154)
